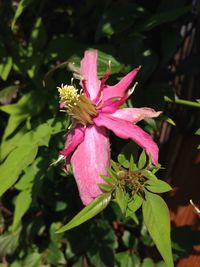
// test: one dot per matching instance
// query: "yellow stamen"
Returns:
(78, 106)
(68, 95)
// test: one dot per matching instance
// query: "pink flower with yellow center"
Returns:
(94, 110)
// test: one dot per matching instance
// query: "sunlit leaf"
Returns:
(170, 121)
(22, 204)
(132, 165)
(198, 132)
(5, 68)
(108, 179)
(38, 35)
(123, 161)
(26, 180)
(148, 174)
(39, 136)
(95, 207)
(29, 105)
(120, 196)
(156, 219)
(147, 262)
(161, 264)
(142, 160)
(8, 93)
(112, 176)
(9, 242)
(17, 160)
(158, 186)
(105, 187)
(20, 8)
(134, 204)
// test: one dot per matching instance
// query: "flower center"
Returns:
(78, 106)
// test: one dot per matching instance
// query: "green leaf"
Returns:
(54, 254)
(124, 259)
(13, 123)
(198, 132)
(170, 41)
(158, 186)
(105, 187)
(170, 121)
(121, 199)
(39, 136)
(79, 263)
(95, 207)
(130, 150)
(156, 219)
(132, 165)
(103, 240)
(38, 36)
(63, 47)
(142, 160)
(163, 17)
(118, 19)
(17, 160)
(147, 262)
(9, 243)
(5, 68)
(108, 179)
(134, 204)
(22, 204)
(123, 161)
(161, 264)
(20, 8)
(26, 180)
(29, 105)
(112, 178)
(8, 93)
(103, 60)
(148, 174)
(33, 260)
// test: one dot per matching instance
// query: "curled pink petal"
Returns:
(89, 161)
(88, 70)
(125, 129)
(73, 139)
(119, 89)
(135, 114)
(104, 79)
(62, 105)
(111, 105)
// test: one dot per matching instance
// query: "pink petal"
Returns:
(89, 161)
(118, 89)
(62, 105)
(135, 114)
(88, 70)
(73, 139)
(125, 129)
(111, 105)
(104, 79)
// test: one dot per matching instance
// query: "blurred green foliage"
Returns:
(36, 37)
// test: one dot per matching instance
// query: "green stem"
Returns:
(182, 102)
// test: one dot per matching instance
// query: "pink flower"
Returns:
(93, 110)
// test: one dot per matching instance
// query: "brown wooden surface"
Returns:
(184, 176)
